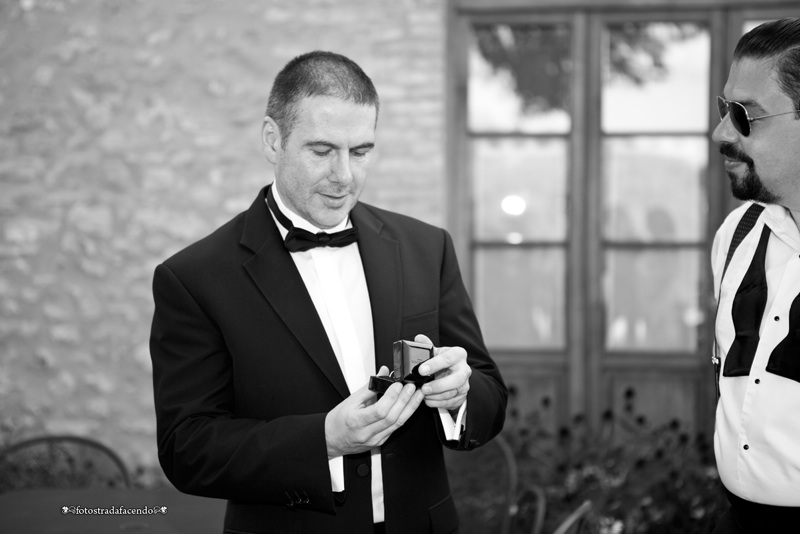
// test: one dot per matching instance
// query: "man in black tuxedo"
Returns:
(266, 332)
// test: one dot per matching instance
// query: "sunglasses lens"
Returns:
(739, 118)
(738, 115)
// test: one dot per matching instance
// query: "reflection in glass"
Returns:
(519, 78)
(656, 77)
(520, 297)
(654, 189)
(520, 189)
(652, 299)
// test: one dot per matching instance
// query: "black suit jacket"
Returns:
(244, 376)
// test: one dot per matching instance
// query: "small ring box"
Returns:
(408, 356)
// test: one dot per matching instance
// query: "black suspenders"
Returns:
(746, 224)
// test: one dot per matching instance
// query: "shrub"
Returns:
(640, 478)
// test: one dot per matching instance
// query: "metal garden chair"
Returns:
(61, 462)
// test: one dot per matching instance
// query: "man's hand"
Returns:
(359, 423)
(451, 371)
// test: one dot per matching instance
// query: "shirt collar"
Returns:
(300, 222)
(782, 224)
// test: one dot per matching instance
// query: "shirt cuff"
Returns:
(336, 466)
(452, 428)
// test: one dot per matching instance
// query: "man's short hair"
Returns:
(778, 40)
(317, 73)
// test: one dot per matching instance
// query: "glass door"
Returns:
(650, 196)
(590, 194)
(519, 131)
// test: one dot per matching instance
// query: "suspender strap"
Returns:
(746, 224)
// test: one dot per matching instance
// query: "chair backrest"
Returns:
(539, 510)
(484, 486)
(61, 462)
(573, 523)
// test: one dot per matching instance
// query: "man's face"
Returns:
(321, 169)
(764, 166)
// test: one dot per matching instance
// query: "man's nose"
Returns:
(725, 132)
(341, 171)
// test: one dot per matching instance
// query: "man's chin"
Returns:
(749, 187)
(740, 192)
(327, 217)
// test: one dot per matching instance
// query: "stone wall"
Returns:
(129, 129)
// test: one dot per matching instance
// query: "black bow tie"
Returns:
(298, 240)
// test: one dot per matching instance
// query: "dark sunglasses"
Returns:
(739, 117)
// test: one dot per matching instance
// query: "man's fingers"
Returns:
(406, 397)
(449, 404)
(440, 385)
(407, 410)
(446, 358)
(449, 394)
(355, 424)
(391, 410)
(435, 364)
(378, 411)
(450, 399)
(363, 396)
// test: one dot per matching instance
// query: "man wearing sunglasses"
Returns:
(756, 264)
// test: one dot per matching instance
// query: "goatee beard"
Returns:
(749, 186)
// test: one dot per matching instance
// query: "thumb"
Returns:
(365, 395)
(422, 338)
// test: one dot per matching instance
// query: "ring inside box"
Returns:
(408, 356)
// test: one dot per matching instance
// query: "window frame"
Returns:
(583, 372)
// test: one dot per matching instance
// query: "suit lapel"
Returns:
(276, 276)
(380, 256)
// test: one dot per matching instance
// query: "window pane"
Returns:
(656, 77)
(520, 189)
(654, 189)
(519, 78)
(520, 297)
(652, 299)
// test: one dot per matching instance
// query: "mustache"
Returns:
(732, 152)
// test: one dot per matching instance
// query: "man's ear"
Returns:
(271, 139)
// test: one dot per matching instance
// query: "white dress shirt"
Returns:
(334, 278)
(757, 433)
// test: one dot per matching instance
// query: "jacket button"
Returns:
(363, 470)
